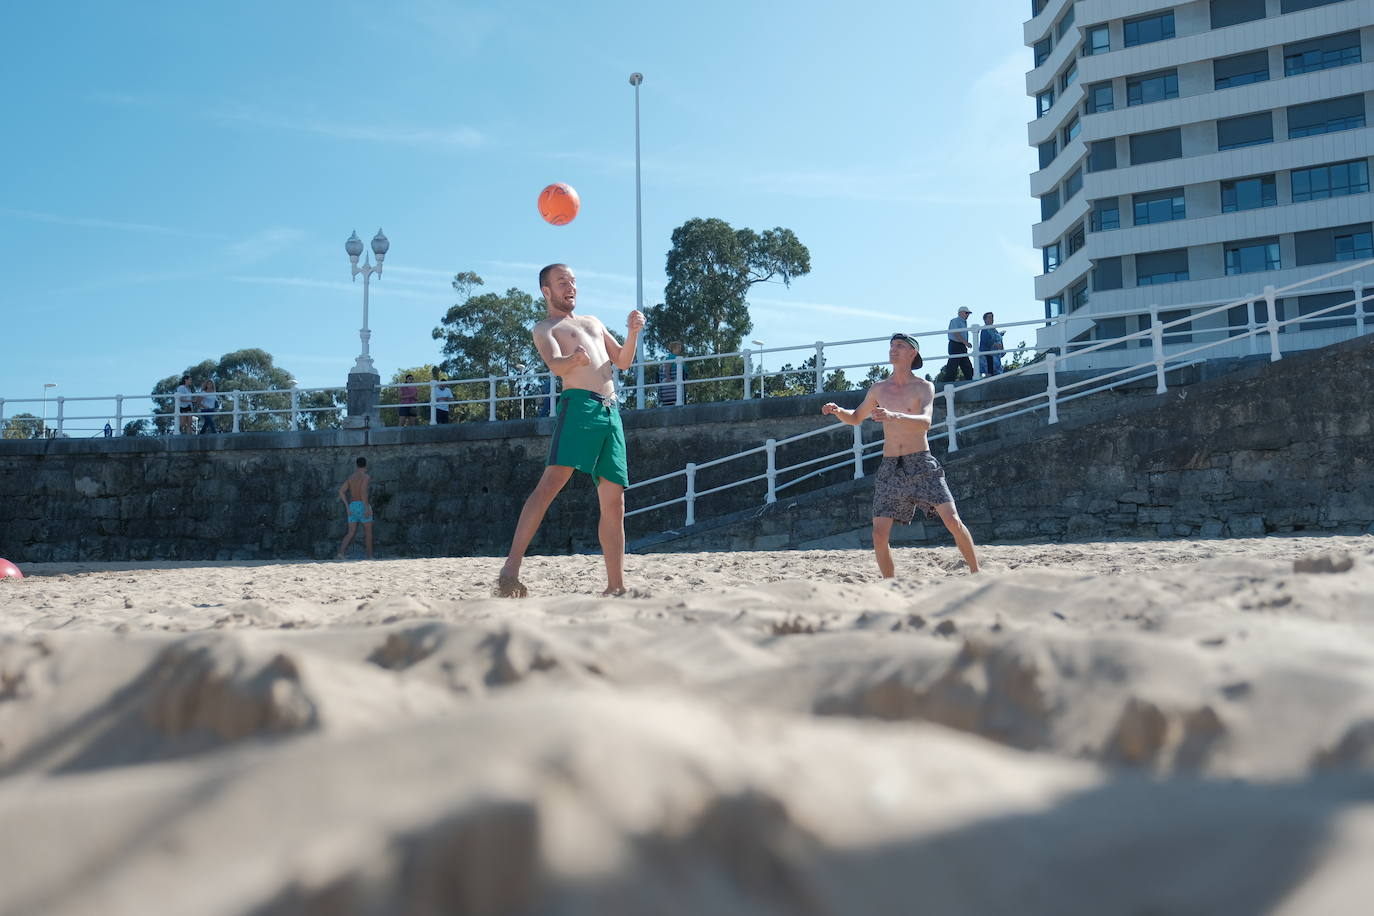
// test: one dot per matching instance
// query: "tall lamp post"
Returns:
(635, 80)
(363, 380)
(44, 426)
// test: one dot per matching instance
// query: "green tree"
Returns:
(876, 374)
(251, 370)
(711, 268)
(23, 426)
(489, 335)
(1023, 357)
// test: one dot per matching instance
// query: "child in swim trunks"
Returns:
(353, 494)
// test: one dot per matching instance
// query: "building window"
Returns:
(1071, 131)
(1068, 76)
(1340, 318)
(1327, 116)
(1158, 207)
(1044, 102)
(1156, 267)
(1042, 50)
(1037, 6)
(1078, 296)
(1049, 205)
(1048, 150)
(1241, 69)
(1152, 87)
(1064, 24)
(1248, 194)
(1321, 53)
(1357, 246)
(1097, 41)
(1054, 307)
(1335, 180)
(1252, 256)
(1074, 239)
(1106, 274)
(1146, 29)
(1099, 98)
(1050, 254)
(1102, 156)
(1234, 12)
(1156, 146)
(1293, 6)
(1105, 215)
(1247, 130)
(1340, 243)
(1074, 183)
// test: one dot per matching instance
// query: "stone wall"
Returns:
(1269, 448)
(1265, 448)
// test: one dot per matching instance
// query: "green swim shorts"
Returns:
(588, 436)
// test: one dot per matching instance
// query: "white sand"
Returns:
(1133, 727)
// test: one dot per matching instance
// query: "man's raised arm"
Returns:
(623, 357)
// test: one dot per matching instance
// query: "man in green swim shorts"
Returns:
(587, 435)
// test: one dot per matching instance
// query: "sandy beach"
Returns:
(1136, 727)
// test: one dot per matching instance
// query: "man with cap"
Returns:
(909, 477)
(958, 364)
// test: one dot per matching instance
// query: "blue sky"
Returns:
(179, 178)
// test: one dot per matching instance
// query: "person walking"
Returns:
(184, 396)
(353, 494)
(990, 346)
(958, 364)
(443, 397)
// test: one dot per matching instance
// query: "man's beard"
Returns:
(564, 305)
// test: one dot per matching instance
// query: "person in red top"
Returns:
(409, 396)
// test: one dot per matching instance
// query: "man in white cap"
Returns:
(958, 363)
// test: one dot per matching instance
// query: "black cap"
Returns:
(911, 341)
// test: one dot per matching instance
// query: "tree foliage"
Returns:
(23, 426)
(489, 334)
(711, 268)
(251, 369)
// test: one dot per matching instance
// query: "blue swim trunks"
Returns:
(356, 513)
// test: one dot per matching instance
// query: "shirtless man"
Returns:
(909, 476)
(353, 494)
(588, 435)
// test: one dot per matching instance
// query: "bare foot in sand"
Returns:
(614, 592)
(510, 587)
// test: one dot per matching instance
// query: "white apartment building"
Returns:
(1193, 153)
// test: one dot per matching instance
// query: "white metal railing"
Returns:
(1157, 366)
(296, 408)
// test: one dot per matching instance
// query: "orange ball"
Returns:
(559, 203)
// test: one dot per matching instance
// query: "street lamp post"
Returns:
(44, 424)
(635, 80)
(363, 380)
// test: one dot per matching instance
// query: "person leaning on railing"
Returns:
(209, 404)
(409, 397)
(443, 397)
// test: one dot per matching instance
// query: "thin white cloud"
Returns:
(264, 243)
(393, 292)
(97, 223)
(460, 136)
(782, 306)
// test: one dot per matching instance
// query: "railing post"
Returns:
(1274, 354)
(433, 404)
(748, 371)
(1359, 309)
(61, 403)
(691, 493)
(295, 406)
(639, 380)
(1157, 343)
(234, 395)
(858, 451)
(491, 397)
(119, 413)
(1052, 388)
(820, 367)
(1251, 326)
(2, 410)
(949, 417)
(680, 382)
(772, 446)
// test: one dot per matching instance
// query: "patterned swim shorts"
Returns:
(906, 483)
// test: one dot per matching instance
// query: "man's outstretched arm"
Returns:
(857, 415)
